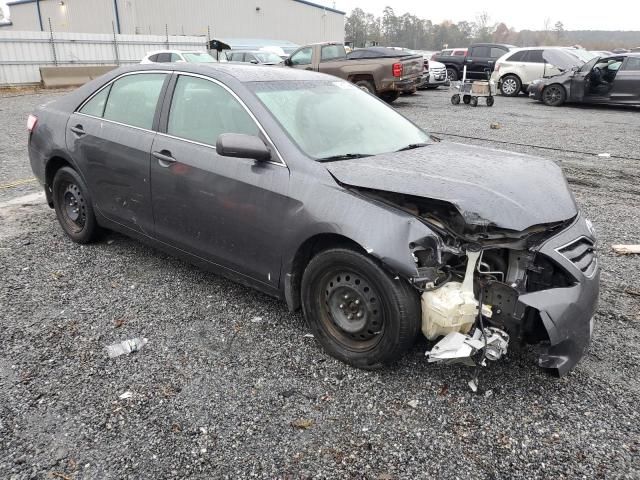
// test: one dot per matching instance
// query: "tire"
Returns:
(510, 86)
(366, 85)
(390, 97)
(452, 74)
(73, 205)
(490, 101)
(455, 99)
(466, 99)
(359, 313)
(474, 101)
(554, 95)
(432, 87)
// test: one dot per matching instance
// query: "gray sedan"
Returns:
(309, 189)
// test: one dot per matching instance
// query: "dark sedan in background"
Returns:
(308, 188)
(612, 80)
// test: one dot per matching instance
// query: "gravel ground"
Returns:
(229, 386)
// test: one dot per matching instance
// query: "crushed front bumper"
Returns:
(567, 314)
(535, 90)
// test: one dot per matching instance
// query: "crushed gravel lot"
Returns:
(229, 386)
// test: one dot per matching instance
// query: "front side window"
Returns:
(133, 99)
(95, 106)
(334, 118)
(201, 110)
(237, 57)
(497, 52)
(302, 57)
(175, 57)
(332, 52)
(480, 52)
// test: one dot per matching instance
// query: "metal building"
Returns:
(298, 21)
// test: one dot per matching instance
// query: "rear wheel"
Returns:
(510, 86)
(490, 101)
(554, 95)
(455, 99)
(474, 101)
(432, 87)
(73, 206)
(466, 99)
(357, 311)
(366, 85)
(452, 73)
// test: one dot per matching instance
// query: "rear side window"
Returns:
(480, 52)
(332, 52)
(153, 58)
(201, 110)
(497, 52)
(633, 64)
(534, 56)
(95, 106)
(446, 53)
(163, 58)
(460, 53)
(518, 56)
(133, 99)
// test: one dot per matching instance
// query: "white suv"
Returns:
(514, 71)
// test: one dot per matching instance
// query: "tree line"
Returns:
(409, 31)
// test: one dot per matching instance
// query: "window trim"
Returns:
(167, 111)
(156, 116)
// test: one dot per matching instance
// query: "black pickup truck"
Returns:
(480, 60)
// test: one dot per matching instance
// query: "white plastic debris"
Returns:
(605, 155)
(413, 403)
(126, 395)
(256, 320)
(308, 335)
(126, 347)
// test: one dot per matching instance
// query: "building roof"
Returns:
(305, 2)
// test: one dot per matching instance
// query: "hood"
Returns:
(434, 64)
(561, 59)
(488, 187)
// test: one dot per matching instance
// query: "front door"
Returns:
(626, 85)
(224, 210)
(110, 139)
(302, 59)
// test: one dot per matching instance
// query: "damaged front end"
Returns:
(483, 287)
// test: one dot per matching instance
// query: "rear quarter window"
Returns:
(517, 57)
(133, 99)
(95, 106)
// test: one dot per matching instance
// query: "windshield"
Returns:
(583, 55)
(334, 118)
(198, 57)
(268, 57)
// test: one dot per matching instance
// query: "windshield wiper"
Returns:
(412, 146)
(344, 156)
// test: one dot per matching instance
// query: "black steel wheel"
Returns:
(452, 74)
(466, 99)
(357, 311)
(455, 99)
(73, 206)
(554, 95)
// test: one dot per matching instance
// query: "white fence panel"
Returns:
(23, 53)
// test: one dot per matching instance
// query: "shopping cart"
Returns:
(470, 91)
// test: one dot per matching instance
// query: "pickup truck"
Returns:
(479, 60)
(384, 76)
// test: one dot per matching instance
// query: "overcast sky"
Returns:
(575, 15)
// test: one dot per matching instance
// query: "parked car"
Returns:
(479, 59)
(517, 69)
(435, 75)
(605, 80)
(253, 56)
(380, 71)
(169, 56)
(309, 189)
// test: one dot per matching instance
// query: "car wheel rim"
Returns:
(509, 86)
(552, 94)
(74, 207)
(353, 310)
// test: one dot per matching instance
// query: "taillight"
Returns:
(497, 69)
(397, 69)
(32, 120)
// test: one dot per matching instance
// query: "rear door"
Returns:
(626, 84)
(110, 138)
(533, 67)
(225, 210)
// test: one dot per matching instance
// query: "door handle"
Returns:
(164, 158)
(78, 130)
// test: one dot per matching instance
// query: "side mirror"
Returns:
(287, 62)
(255, 62)
(238, 145)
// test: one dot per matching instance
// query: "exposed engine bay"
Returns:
(473, 278)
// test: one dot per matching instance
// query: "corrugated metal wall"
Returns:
(273, 19)
(23, 53)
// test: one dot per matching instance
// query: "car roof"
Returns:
(174, 51)
(487, 44)
(242, 72)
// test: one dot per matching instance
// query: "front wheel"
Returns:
(73, 206)
(452, 73)
(359, 313)
(554, 95)
(455, 99)
(510, 86)
(490, 101)
(474, 101)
